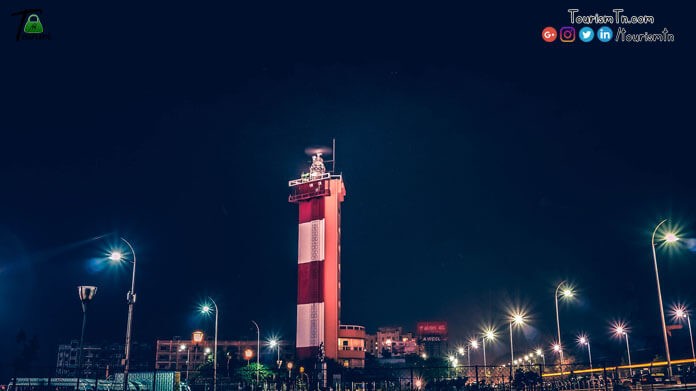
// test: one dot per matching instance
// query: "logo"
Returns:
(549, 34)
(586, 34)
(605, 34)
(567, 34)
(33, 25)
(30, 26)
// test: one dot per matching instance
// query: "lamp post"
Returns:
(488, 334)
(584, 340)
(540, 353)
(679, 312)
(183, 347)
(117, 256)
(669, 238)
(473, 344)
(258, 351)
(621, 331)
(516, 319)
(86, 294)
(274, 343)
(206, 309)
(557, 348)
(566, 292)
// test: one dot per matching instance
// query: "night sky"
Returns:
(482, 166)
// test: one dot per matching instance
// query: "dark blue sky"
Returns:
(482, 165)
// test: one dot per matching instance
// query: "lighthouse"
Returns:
(318, 194)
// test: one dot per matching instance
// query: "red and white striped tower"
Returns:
(319, 195)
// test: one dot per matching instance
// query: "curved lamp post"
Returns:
(584, 340)
(620, 330)
(680, 312)
(516, 319)
(488, 334)
(258, 351)
(566, 292)
(669, 238)
(86, 294)
(117, 256)
(206, 309)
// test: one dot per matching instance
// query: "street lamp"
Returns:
(584, 340)
(117, 256)
(556, 347)
(488, 334)
(274, 344)
(248, 354)
(206, 309)
(564, 291)
(670, 237)
(86, 294)
(620, 330)
(679, 312)
(183, 347)
(258, 351)
(540, 353)
(516, 319)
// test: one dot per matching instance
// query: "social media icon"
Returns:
(605, 34)
(567, 34)
(586, 34)
(549, 34)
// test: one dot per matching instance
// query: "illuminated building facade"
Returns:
(319, 195)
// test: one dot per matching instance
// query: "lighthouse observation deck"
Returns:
(311, 186)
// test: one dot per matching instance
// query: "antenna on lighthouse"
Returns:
(320, 151)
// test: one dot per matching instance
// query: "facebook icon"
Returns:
(604, 34)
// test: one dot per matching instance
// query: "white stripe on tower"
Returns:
(310, 259)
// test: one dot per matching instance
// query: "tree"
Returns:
(525, 379)
(248, 373)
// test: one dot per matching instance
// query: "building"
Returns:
(318, 195)
(432, 336)
(351, 346)
(97, 360)
(181, 355)
(391, 342)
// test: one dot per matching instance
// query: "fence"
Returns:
(530, 377)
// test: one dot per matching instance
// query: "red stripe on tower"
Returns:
(318, 256)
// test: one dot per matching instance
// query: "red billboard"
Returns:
(432, 329)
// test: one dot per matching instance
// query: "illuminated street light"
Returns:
(183, 347)
(517, 318)
(584, 340)
(424, 356)
(620, 330)
(248, 354)
(488, 334)
(540, 353)
(460, 350)
(669, 238)
(86, 294)
(258, 350)
(206, 309)
(564, 291)
(273, 343)
(117, 256)
(679, 312)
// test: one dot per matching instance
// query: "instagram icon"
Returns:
(567, 34)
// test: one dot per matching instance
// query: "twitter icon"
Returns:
(586, 34)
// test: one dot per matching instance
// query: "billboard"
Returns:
(427, 330)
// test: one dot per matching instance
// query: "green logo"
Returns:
(33, 25)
